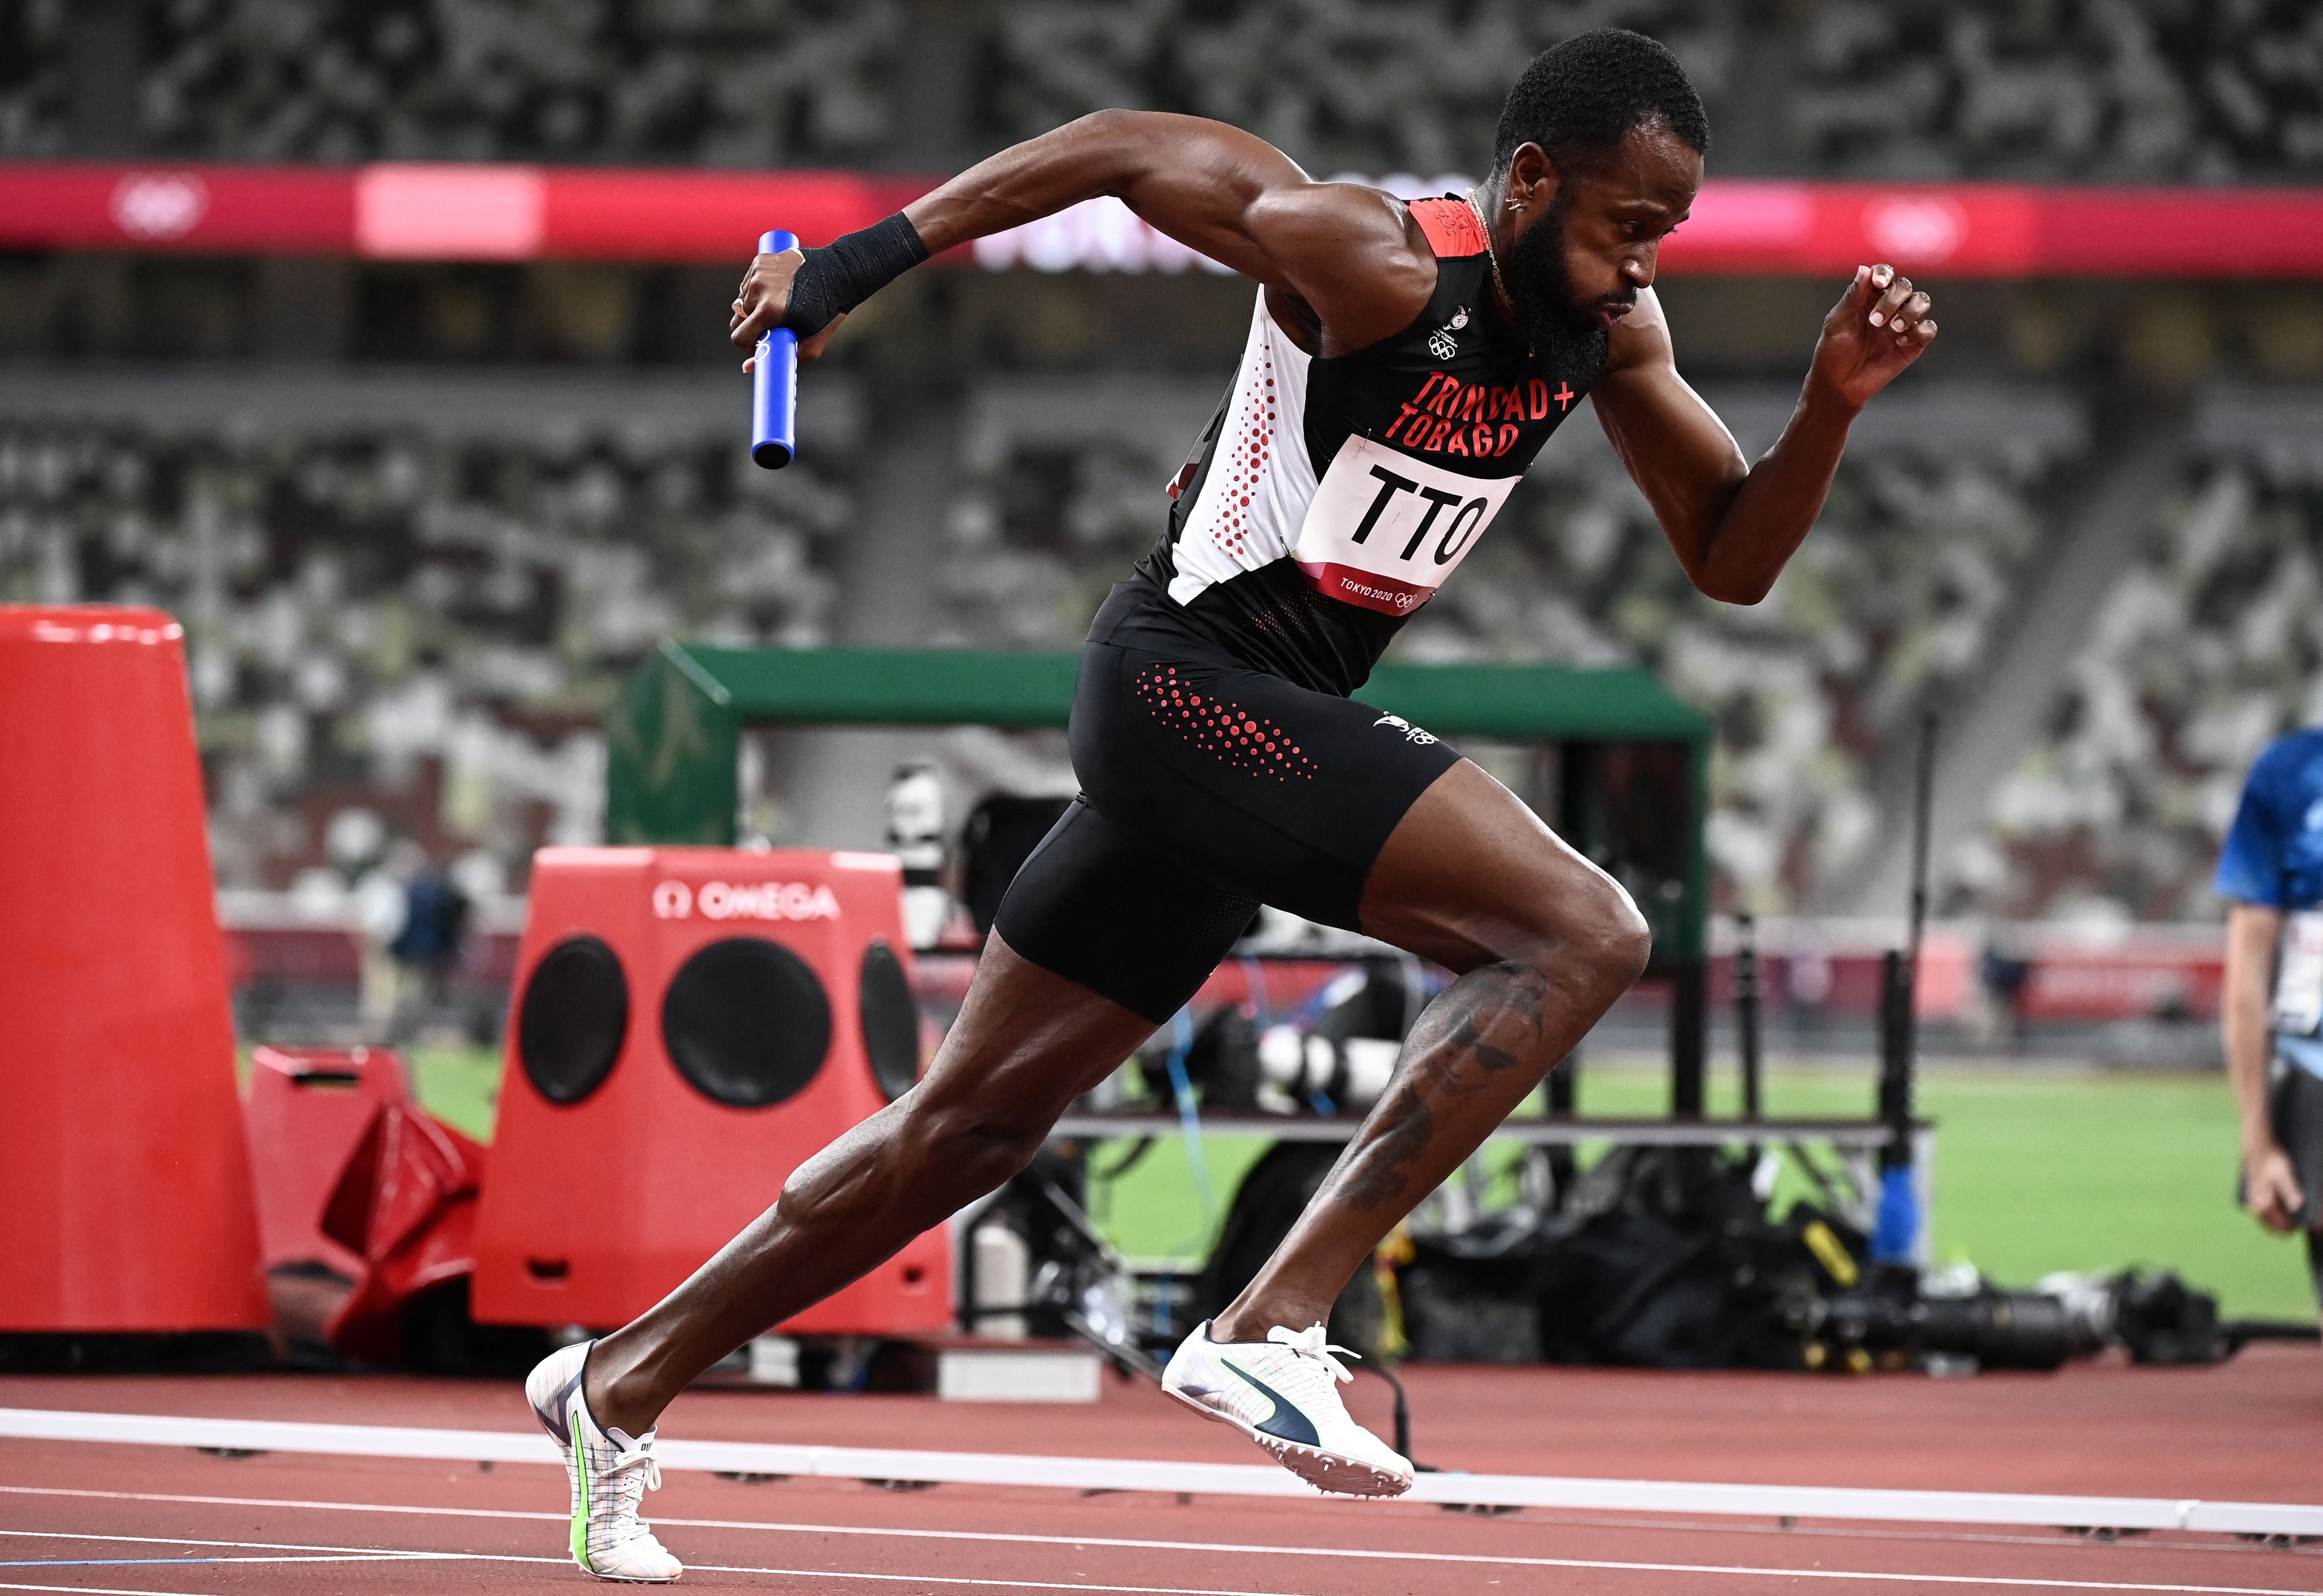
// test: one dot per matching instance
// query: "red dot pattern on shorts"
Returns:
(1247, 464)
(1225, 730)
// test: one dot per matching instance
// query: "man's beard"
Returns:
(1540, 288)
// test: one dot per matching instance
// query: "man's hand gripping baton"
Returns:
(773, 381)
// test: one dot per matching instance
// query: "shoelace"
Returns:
(643, 1474)
(638, 1458)
(1309, 1344)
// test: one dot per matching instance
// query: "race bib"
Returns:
(1385, 530)
(2298, 975)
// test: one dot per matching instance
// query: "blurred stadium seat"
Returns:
(1060, 494)
(439, 610)
(2205, 649)
(719, 84)
(416, 593)
(410, 588)
(2200, 92)
(2204, 92)
(1947, 499)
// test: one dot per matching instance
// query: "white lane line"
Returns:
(1648, 1526)
(1007, 1584)
(1607, 1566)
(1082, 1473)
(365, 1555)
(802, 1574)
(133, 1561)
(182, 1540)
(328, 1506)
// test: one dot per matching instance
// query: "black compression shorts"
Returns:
(1208, 788)
(2295, 1107)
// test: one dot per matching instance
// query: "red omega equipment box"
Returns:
(129, 1189)
(688, 1026)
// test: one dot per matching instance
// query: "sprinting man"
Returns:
(1405, 364)
(2270, 873)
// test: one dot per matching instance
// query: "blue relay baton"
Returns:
(773, 381)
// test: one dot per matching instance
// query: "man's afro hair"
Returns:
(1587, 93)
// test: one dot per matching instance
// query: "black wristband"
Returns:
(835, 280)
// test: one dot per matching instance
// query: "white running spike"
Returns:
(1282, 1393)
(610, 1475)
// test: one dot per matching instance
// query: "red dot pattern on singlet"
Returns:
(1227, 731)
(1252, 446)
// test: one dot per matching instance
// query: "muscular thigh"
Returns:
(1208, 788)
(1099, 908)
(1470, 874)
(1027, 1041)
(1258, 786)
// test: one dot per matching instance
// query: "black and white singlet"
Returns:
(1222, 763)
(1337, 493)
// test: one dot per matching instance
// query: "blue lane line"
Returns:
(108, 1562)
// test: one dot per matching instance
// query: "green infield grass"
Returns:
(2037, 1170)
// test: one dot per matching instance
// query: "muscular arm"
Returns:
(1733, 524)
(1344, 256)
(2271, 1190)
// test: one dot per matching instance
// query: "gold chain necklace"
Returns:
(1493, 256)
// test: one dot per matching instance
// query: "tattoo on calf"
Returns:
(1379, 1171)
(1469, 1038)
(1501, 990)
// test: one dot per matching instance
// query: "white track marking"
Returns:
(1084, 1473)
(807, 1573)
(316, 1506)
(1082, 1542)
(181, 1540)
(1651, 1525)
(815, 1574)
(355, 1555)
(1008, 1584)
(280, 1502)
(132, 1562)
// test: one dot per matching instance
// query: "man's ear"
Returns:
(1533, 178)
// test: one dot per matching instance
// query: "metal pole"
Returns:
(1895, 1057)
(1895, 1235)
(1689, 1032)
(1746, 1006)
(1923, 799)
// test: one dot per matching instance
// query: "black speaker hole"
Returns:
(573, 1017)
(891, 1020)
(746, 1023)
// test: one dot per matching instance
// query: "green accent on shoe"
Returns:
(581, 1512)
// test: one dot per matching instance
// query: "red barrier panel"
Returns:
(130, 1205)
(690, 1025)
(2131, 982)
(305, 1112)
(405, 1206)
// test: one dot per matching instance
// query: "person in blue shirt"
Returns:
(2271, 873)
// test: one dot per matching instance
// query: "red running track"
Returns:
(80, 1516)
